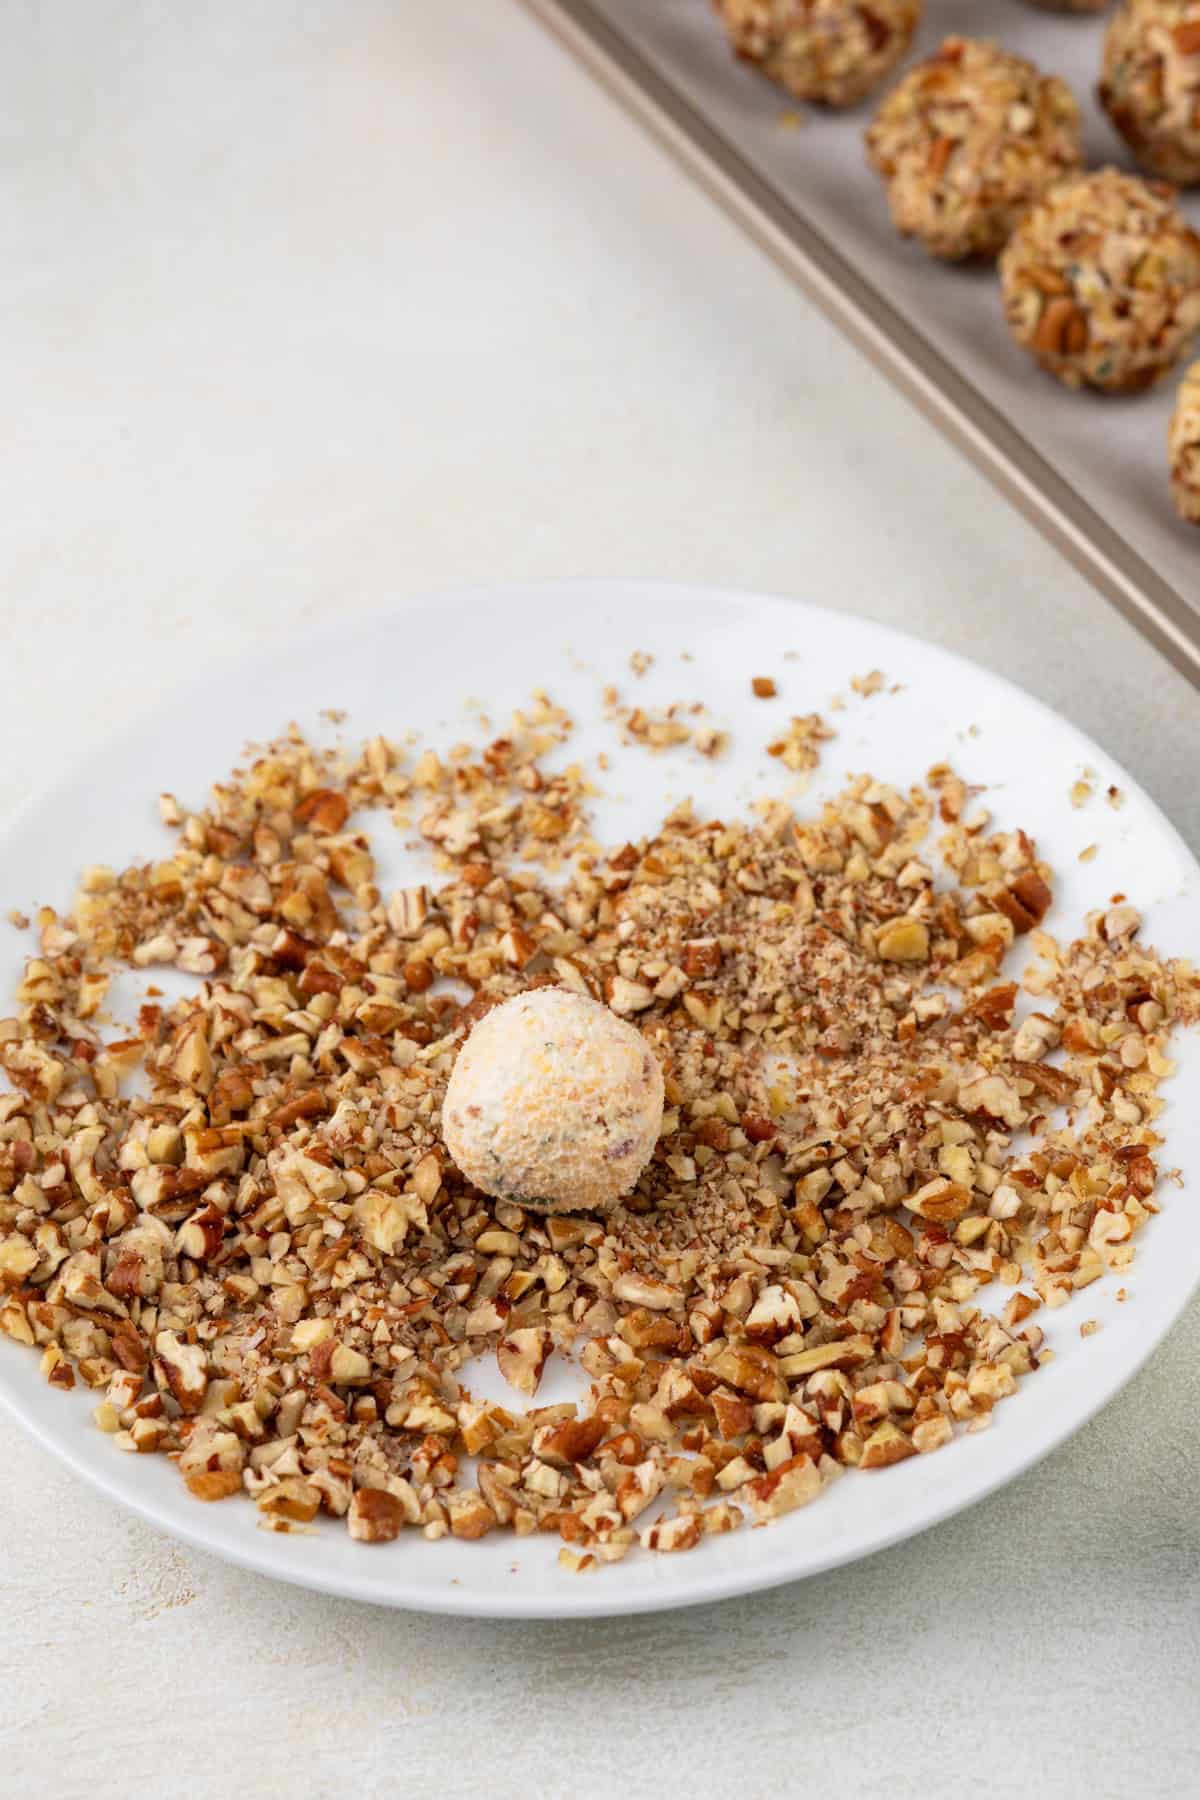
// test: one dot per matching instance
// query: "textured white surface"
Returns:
(310, 306)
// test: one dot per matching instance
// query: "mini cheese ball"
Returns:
(1150, 84)
(554, 1102)
(1101, 282)
(1183, 446)
(829, 51)
(967, 141)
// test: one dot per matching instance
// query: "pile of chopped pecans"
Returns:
(665, 728)
(239, 1227)
(800, 747)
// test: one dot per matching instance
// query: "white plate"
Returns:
(415, 670)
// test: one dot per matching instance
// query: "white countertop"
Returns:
(309, 307)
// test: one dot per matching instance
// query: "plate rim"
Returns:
(718, 1583)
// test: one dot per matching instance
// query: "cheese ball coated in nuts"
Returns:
(554, 1102)
(967, 141)
(1183, 445)
(829, 51)
(1150, 84)
(1101, 282)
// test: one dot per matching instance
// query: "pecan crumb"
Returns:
(799, 749)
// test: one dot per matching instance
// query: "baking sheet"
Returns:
(1090, 469)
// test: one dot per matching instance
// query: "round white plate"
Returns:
(417, 670)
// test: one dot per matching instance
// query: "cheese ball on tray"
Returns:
(967, 141)
(1101, 282)
(828, 51)
(554, 1102)
(1183, 444)
(1150, 84)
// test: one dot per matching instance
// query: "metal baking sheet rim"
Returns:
(893, 345)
